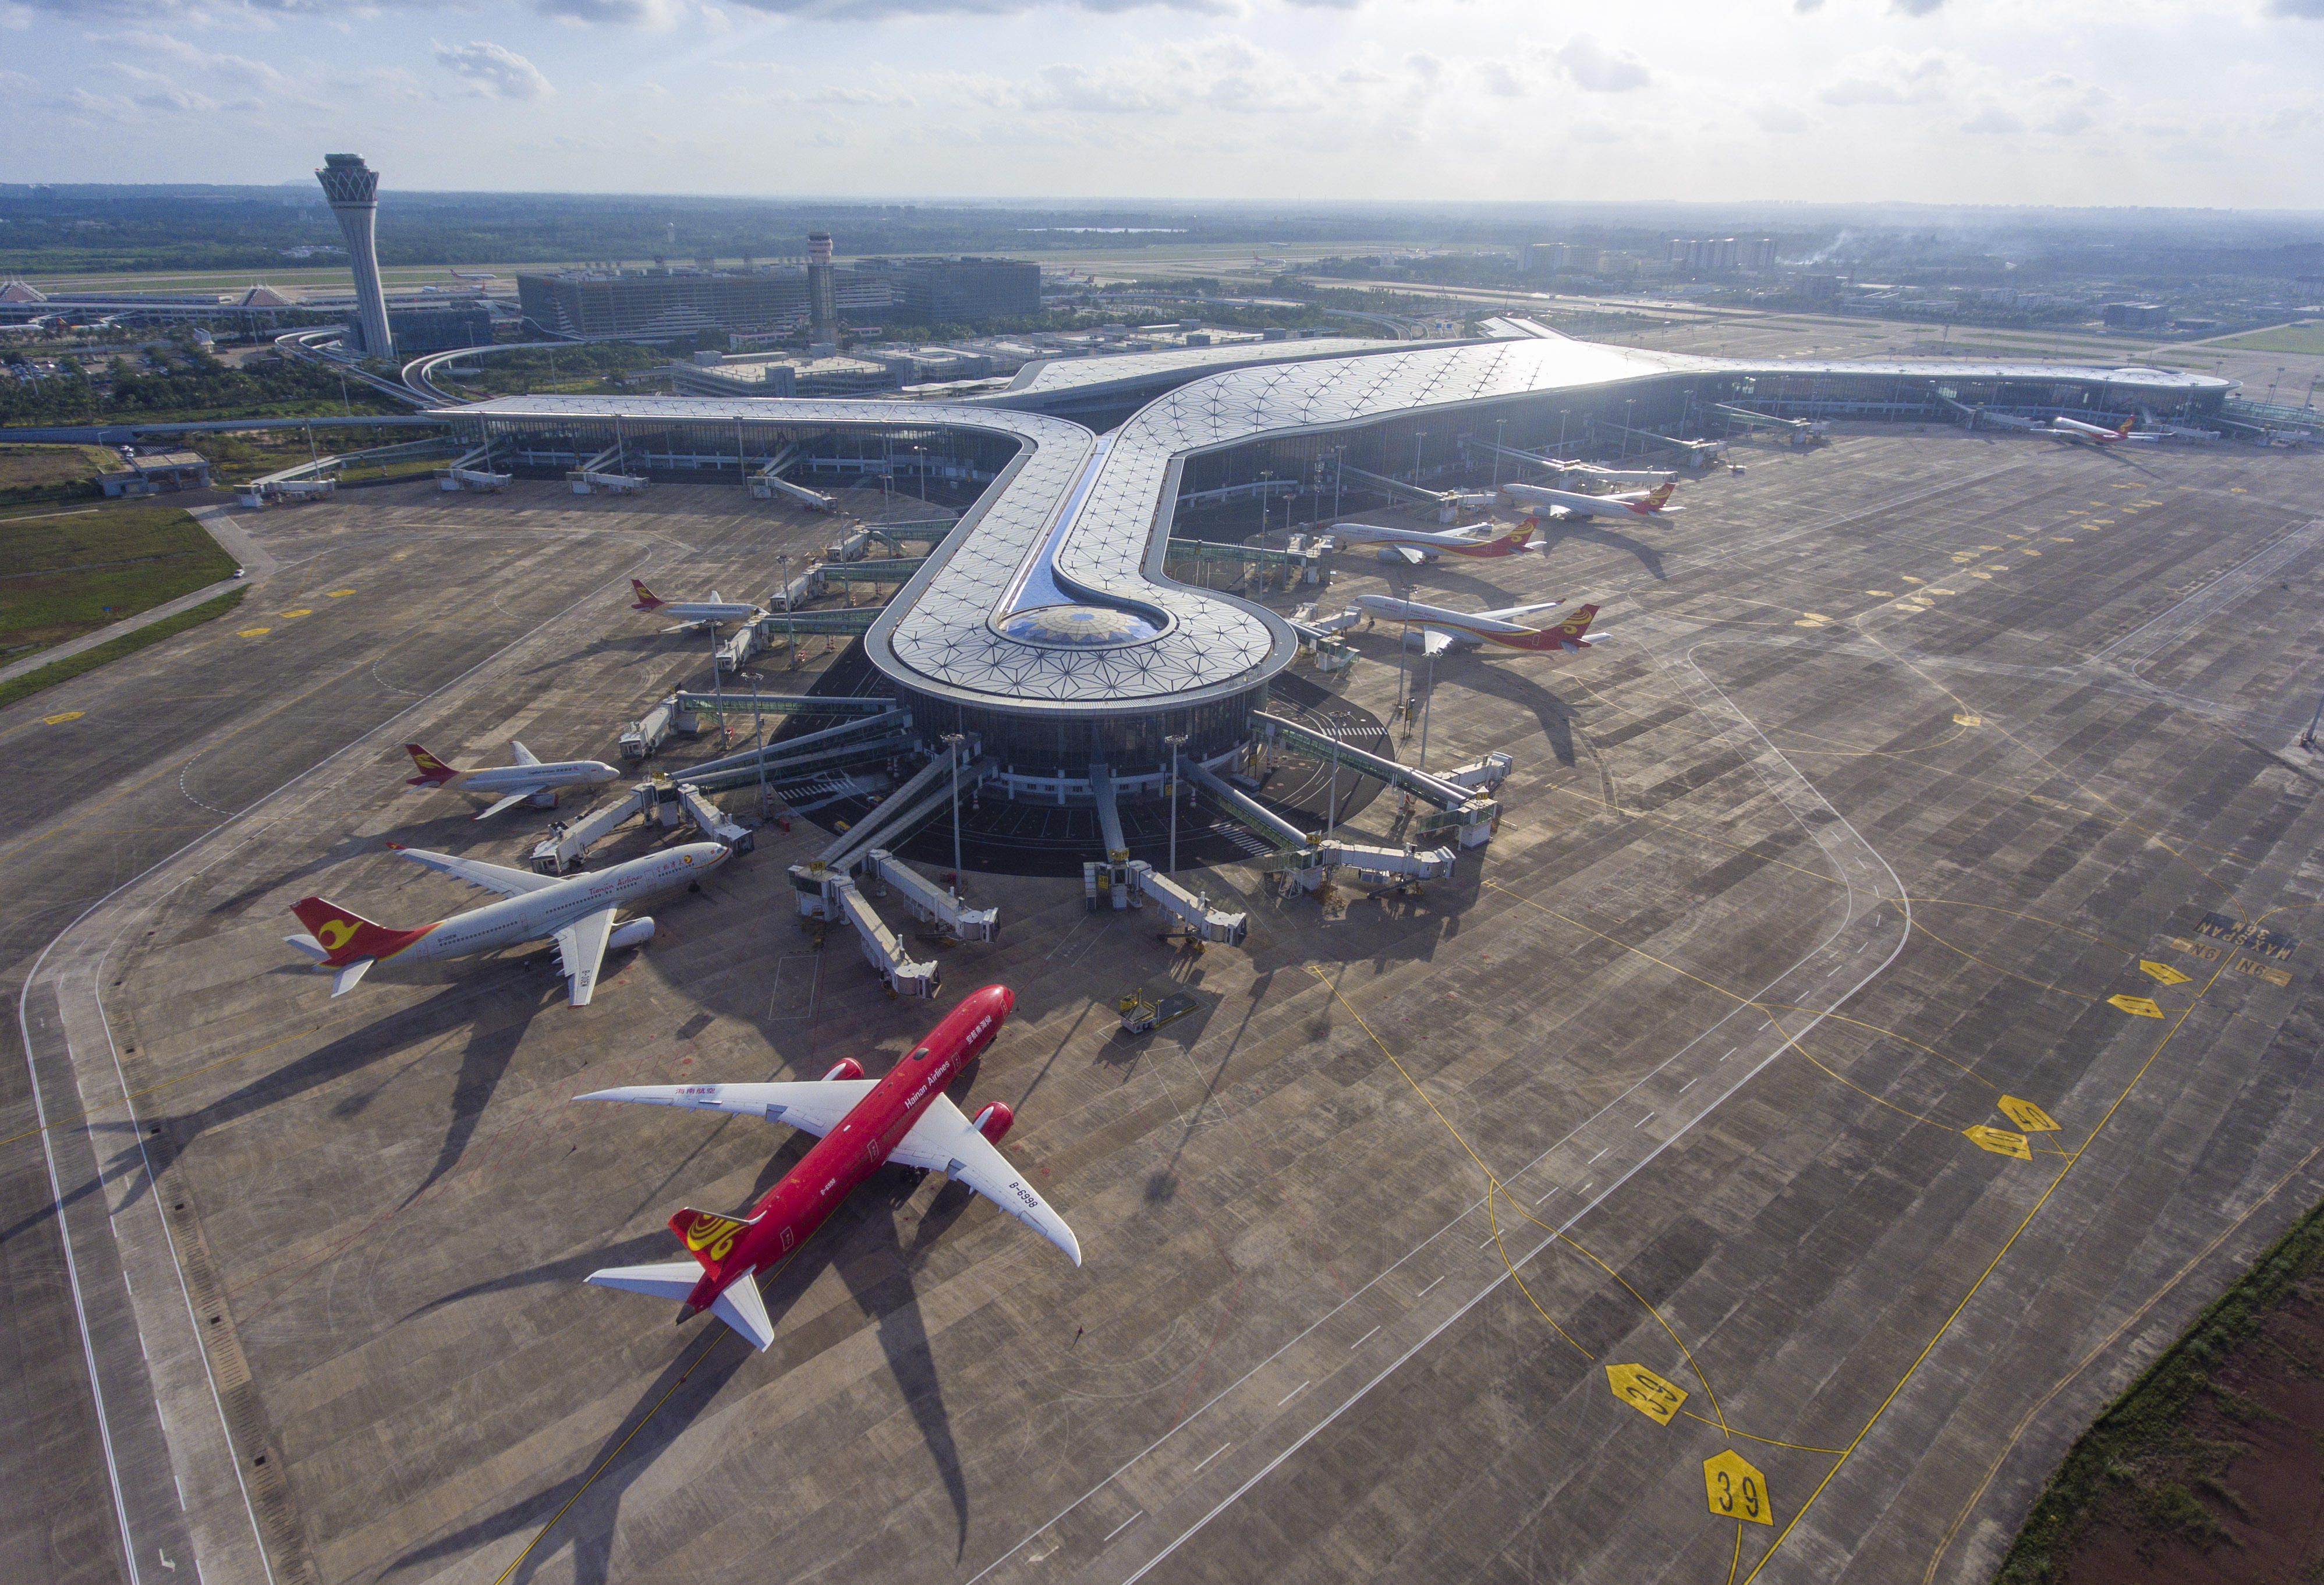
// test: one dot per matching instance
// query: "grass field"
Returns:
(90, 659)
(50, 473)
(2151, 1478)
(59, 570)
(2305, 338)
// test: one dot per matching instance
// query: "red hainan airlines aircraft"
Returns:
(1440, 629)
(865, 1124)
(1573, 503)
(2065, 429)
(1418, 545)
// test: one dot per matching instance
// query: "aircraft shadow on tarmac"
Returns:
(1548, 536)
(494, 1033)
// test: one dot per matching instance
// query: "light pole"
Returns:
(1428, 705)
(1333, 723)
(758, 742)
(1498, 425)
(1339, 474)
(1561, 431)
(953, 740)
(790, 625)
(1626, 406)
(1418, 436)
(1177, 739)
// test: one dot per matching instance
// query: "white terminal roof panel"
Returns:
(1073, 526)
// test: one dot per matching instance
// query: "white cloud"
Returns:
(1780, 118)
(1993, 119)
(1500, 78)
(2066, 123)
(2304, 10)
(1914, 7)
(493, 71)
(1889, 77)
(1600, 70)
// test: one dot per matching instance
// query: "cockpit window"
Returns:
(921, 1054)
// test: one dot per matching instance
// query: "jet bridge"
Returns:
(899, 814)
(1374, 866)
(1458, 805)
(874, 738)
(830, 894)
(930, 902)
(898, 570)
(1262, 819)
(659, 800)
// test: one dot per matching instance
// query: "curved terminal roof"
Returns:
(1050, 596)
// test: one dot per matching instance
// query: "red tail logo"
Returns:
(646, 598)
(1654, 501)
(2125, 429)
(346, 935)
(433, 772)
(1565, 635)
(708, 1238)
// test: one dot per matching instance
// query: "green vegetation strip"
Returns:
(72, 666)
(2139, 1459)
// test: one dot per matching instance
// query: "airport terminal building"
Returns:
(1045, 626)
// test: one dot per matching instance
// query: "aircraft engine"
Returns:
(543, 800)
(636, 933)
(995, 1120)
(846, 1067)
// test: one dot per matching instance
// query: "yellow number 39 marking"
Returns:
(1646, 1392)
(1736, 1490)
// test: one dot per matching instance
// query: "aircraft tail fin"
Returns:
(1572, 634)
(346, 936)
(647, 600)
(1658, 497)
(708, 1238)
(433, 772)
(2123, 428)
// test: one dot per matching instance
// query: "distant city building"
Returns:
(957, 291)
(2137, 317)
(434, 329)
(353, 188)
(593, 303)
(1721, 253)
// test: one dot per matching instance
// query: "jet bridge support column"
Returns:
(1118, 883)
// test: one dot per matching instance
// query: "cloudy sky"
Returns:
(2159, 102)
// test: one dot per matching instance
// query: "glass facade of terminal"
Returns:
(1054, 741)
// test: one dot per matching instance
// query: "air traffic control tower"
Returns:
(353, 188)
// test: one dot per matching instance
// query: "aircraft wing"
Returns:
(813, 1106)
(1435, 640)
(517, 797)
(497, 877)
(1409, 554)
(524, 756)
(945, 1141)
(1511, 612)
(581, 953)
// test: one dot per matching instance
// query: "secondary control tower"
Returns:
(353, 188)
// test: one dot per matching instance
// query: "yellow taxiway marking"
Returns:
(2163, 972)
(2136, 1005)
(1989, 547)
(2064, 539)
(1985, 575)
(302, 610)
(339, 594)
(1649, 1394)
(1735, 1489)
(2000, 1141)
(2027, 550)
(254, 633)
(1969, 720)
(1964, 556)
(2027, 1116)
(1933, 590)
(1880, 594)
(62, 719)
(1912, 580)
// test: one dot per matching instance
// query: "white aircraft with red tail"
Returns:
(1441, 628)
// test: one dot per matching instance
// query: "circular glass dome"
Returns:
(1079, 627)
